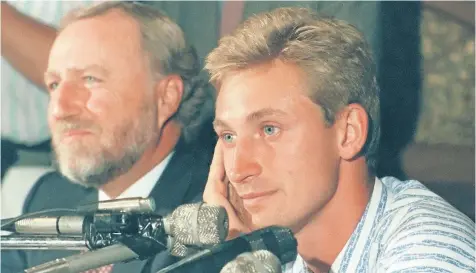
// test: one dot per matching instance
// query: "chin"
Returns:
(76, 168)
(263, 220)
(84, 178)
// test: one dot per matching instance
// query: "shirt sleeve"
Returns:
(434, 238)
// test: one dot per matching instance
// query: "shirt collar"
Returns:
(362, 229)
(143, 186)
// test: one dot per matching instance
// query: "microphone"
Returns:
(178, 249)
(126, 205)
(197, 224)
(260, 261)
(87, 260)
(279, 241)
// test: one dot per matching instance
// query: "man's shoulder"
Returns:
(422, 230)
(412, 207)
(412, 197)
(53, 190)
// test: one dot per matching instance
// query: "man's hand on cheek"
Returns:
(216, 193)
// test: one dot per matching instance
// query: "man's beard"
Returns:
(125, 147)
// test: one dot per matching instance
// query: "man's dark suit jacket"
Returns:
(182, 181)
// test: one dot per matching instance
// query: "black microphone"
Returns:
(279, 241)
(260, 261)
(198, 224)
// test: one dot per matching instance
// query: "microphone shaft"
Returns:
(277, 240)
(210, 260)
(12, 242)
(78, 225)
(51, 225)
(129, 205)
(87, 260)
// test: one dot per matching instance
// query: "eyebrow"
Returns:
(254, 116)
(96, 67)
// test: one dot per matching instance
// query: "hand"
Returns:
(216, 193)
(7, 12)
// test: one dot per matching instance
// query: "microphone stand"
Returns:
(97, 231)
(90, 239)
(26, 242)
(127, 249)
(140, 238)
(87, 260)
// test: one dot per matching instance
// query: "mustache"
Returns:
(64, 126)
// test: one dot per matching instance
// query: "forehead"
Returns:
(274, 85)
(113, 36)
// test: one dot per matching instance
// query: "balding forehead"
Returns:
(95, 40)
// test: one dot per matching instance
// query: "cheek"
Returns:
(102, 104)
(307, 158)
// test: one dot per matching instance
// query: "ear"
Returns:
(353, 124)
(169, 91)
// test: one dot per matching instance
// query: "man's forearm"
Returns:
(26, 43)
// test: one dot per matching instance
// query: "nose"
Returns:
(245, 165)
(66, 101)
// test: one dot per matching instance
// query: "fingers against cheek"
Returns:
(217, 168)
(215, 185)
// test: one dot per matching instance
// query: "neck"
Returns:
(152, 156)
(321, 241)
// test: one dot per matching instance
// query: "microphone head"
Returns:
(269, 260)
(197, 224)
(178, 249)
(260, 261)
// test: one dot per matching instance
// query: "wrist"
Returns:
(7, 11)
(8, 14)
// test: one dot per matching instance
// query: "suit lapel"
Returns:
(174, 182)
(91, 196)
(170, 192)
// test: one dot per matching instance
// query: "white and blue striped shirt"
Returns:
(24, 105)
(405, 228)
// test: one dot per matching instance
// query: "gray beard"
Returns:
(136, 137)
(106, 171)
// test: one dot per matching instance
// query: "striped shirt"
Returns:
(24, 105)
(405, 228)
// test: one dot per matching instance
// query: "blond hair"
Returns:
(164, 43)
(333, 54)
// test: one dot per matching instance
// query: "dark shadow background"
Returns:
(400, 81)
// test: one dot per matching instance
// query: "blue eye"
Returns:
(90, 79)
(52, 86)
(270, 130)
(229, 138)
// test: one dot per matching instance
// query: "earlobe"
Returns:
(353, 129)
(169, 95)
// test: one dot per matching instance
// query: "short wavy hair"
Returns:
(333, 54)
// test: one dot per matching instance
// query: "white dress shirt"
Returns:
(405, 228)
(143, 186)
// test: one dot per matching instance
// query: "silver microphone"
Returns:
(178, 249)
(73, 224)
(126, 205)
(198, 224)
(260, 261)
